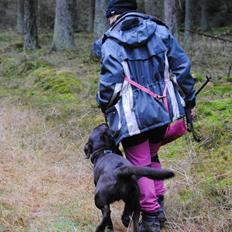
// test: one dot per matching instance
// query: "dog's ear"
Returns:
(88, 150)
(108, 138)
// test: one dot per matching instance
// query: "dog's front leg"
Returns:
(135, 219)
(106, 220)
(126, 216)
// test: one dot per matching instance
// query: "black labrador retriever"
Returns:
(116, 178)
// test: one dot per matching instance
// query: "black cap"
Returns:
(117, 7)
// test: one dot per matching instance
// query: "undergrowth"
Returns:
(48, 109)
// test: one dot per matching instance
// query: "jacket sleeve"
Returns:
(111, 80)
(180, 66)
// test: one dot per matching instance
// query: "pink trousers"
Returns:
(142, 155)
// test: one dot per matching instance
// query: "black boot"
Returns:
(162, 215)
(150, 222)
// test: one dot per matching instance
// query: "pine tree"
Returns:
(188, 21)
(20, 16)
(170, 15)
(204, 15)
(100, 21)
(30, 25)
(63, 37)
(154, 8)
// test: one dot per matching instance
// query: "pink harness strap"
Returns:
(144, 89)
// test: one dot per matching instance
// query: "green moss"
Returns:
(19, 68)
(199, 77)
(229, 79)
(56, 82)
(222, 30)
(219, 90)
(186, 196)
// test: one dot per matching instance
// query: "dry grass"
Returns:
(44, 179)
(35, 179)
(46, 184)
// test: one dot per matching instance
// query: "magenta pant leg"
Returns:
(139, 155)
(159, 184)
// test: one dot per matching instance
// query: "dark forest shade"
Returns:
(63, 37)
(204, 15)
(154, 8)
(170, 15)
(100, 22)
(188, 21)
(30, 25)
(20, 16)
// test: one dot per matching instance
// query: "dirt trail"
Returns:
(40, 171)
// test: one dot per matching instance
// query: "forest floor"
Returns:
(47, 110)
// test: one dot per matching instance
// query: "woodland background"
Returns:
(48, 82)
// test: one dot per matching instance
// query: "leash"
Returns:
(190, 126)
(144, 89)
(130, 223)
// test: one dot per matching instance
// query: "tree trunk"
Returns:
(170, 15)
(188, 21)
(63, 37)
(20, 16)
(85, 17)
(30, 25)
(100, 21)
(140, 4)
(91, 16)
(204, 16)
(154, 8)
(75, 15)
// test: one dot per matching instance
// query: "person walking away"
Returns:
(145, 85)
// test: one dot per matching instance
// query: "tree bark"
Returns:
(63, 37)
(91, 16)
(20, 16)
(154, 8)
(100, 21)
(30, 25)
(75, 14)
(188, 21)
(170, 15)
(140, 4)
(204, 16)
(85, 19)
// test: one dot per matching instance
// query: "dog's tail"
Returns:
(155, 174)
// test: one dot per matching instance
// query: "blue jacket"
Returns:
(141, 48)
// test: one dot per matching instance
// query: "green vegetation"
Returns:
(51, 101)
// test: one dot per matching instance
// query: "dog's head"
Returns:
(100, 139)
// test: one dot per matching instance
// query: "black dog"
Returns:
(116, 178)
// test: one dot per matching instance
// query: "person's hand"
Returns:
(193, 113)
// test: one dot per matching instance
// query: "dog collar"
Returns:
(107, 151)
(102, 150)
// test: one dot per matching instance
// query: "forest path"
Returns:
(41, 173)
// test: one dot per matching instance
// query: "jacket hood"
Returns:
(132, 30)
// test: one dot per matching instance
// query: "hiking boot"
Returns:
(162, 215)
(150, 222)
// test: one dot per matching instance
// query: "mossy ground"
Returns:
(48, 108)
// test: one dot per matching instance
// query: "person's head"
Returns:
(118, 7)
